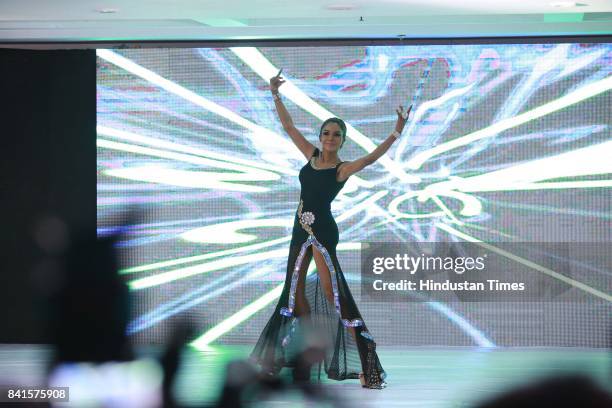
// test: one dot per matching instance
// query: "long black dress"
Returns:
(314, 225)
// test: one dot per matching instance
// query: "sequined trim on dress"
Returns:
(287, 339)
(306, 219)
(288, 311)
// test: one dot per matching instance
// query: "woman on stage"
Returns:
(315, 234)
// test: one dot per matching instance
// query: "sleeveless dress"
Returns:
(315, 226)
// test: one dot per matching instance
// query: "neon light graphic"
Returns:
(500, 134)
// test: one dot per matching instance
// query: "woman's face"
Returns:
(331, 137)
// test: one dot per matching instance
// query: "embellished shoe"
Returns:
(373, 378)
(376, 385)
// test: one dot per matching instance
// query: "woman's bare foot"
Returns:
(362, 379)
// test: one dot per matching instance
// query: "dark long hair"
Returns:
(340, 123)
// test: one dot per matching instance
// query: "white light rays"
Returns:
(194, 98)
(532, 265)
(210, 158)
(591, 160)
(158, 173)
(587, 91)
(228, 232)
(264, 68)
(405, 141)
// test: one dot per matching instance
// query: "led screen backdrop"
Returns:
(512, 142)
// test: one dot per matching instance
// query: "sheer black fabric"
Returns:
(314, 226)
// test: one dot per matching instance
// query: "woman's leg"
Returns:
(302, 308)
(326, 283)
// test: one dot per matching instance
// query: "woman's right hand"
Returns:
(276, 82)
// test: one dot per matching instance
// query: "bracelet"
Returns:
(276, 96)
(396, 134)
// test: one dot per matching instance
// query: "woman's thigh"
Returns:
(324, 275)
(301, 303)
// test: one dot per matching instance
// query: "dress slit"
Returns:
(348, 357)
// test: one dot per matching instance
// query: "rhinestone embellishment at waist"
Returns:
(307, 218)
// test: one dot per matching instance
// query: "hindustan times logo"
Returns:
(414, 264)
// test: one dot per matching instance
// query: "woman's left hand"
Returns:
(402, 118)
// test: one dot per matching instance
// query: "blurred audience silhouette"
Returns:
(571, 391)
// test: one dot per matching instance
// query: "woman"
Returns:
(315, 234)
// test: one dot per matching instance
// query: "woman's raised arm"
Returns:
(298, 139)
(346, 169)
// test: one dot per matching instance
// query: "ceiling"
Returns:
(106, 21)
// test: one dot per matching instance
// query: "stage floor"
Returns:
(417, 377)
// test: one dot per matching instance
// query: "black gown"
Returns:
(314, 225)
